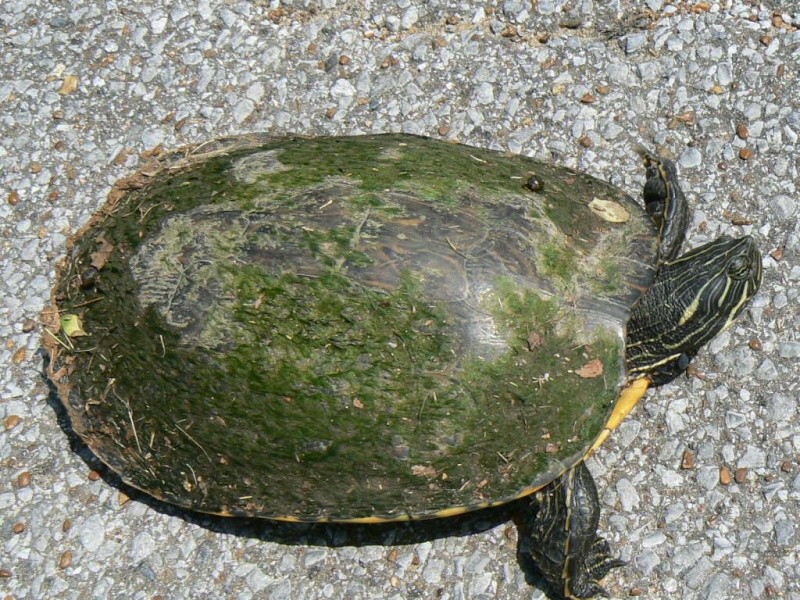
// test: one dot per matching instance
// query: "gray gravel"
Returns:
(87, 87)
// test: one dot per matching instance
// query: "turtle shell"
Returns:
(347, 328)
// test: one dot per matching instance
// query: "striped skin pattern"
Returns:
(693, 299)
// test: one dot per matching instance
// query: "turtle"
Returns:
(381, 328)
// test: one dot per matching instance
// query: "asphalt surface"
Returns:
(700, 486)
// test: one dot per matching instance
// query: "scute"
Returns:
(349, 328)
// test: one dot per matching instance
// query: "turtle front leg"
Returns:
(665, 203)
(565, 545)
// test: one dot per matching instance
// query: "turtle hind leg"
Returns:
(563, 537)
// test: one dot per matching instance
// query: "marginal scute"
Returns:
(340, 328)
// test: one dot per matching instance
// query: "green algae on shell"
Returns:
(345, 328)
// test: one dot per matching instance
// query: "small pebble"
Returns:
(65, 560)
(745, 154)
(690, 158)
(635, 591)
(742, 131)
(24, 479)
(19, 356)
(687, 462)
(740, 476)
(725, 476)
(12, 421)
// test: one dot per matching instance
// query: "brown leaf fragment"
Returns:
(67, 367)
(424, 471)
(51, 319)
(136, 181)
(100, 257)
(19, 356)
(592, 369)
(120, 158)
(692, 371)
(740, 220)
(701, 7)
(687, 462)
(69, 85)
(534, 340)
(510, 31)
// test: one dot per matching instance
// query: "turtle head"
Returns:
(715, 282)
(692, 299)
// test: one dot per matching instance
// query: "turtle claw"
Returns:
(563, 535)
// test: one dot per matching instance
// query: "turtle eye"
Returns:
(739, 267)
